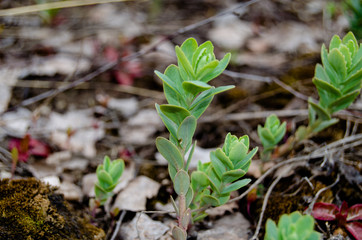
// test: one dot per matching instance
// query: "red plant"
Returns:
(28, 146)
(126, 71)
(345, 217)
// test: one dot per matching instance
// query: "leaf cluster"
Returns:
(292, 227)
(338, 80)
(186, 86)
(108, 175)
(188, 95)
(272, 133)
(214, 181)
(354, 12)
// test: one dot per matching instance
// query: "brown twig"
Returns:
(265, 202)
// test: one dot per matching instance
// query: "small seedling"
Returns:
(345, 217)
(108, 175)
(292, 227)
(270, 135)
(188, 95)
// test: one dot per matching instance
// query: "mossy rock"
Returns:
(31, 210)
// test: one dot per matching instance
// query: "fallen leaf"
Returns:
(143, 227)
(135, 195)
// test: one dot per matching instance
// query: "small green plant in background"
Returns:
(188, 95)
(353, 10)
(47, 15)
(292, 227)
(108, 175)
(338, 82)
(270, 135)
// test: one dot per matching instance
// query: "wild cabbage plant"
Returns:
(292, 227)
(188, 95)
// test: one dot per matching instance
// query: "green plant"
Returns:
(188, 95)
(338, 82)
(108, 175)
(292, 227)
(270, 135)
(354, 13)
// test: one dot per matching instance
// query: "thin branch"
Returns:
(265, 202)
(265, 114)
(247, 76)
(311, 205)
(53, 5)
(118, 225)
(290, 89)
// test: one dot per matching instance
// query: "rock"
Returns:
(86, 131)
(232, 227)
(127, 106)
(144, 226)
(230, 32)
(70, 191)
(141, 127)
(135, 195)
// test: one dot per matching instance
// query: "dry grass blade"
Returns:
(53, 5)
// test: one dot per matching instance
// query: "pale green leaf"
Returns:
(181, 182)
(170, 125)
(337, 61)
(170, 152)
(189, 46)
(218, 70)
(236, 186)
(224, 159)
(195, 87)
(232, 175)
(186, 131)
(175, 113)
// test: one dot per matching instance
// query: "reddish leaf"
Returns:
(355, 228)
(28, 146)
(325, 211)
(38, 148)
(355, 213)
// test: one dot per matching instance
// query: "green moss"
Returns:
(30, 209)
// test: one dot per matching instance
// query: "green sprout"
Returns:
(292, 227)
(270, 135)
(188, 95)
(108, 175)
